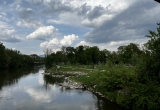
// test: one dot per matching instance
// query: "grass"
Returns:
(118, 83)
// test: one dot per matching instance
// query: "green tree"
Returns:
(80, 55)
(129, 53)
(114, 57)
(70, 53)
(4, 60)
(151, 63)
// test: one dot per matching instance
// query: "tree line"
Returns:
(14, 59)
(86, 55)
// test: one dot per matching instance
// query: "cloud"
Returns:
(25, 13)
(29, 23)
(71, 19)
(56, 44)
(68, 40)
(3, 16)
(96, 12)
(97, 22)
(8, 35)
(36, 2)
(28, 18)
(91, 13)
(131, 23)
(53, 21)
(43, 33)
(4, 25)
(103, 3)
(84, 13)
(57, 7)
(16, 2)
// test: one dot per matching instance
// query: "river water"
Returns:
(29, 89)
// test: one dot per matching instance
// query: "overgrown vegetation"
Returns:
(129, 76)
(14, 59)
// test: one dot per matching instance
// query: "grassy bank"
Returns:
(119, 83)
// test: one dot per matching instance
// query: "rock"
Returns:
(72, 85)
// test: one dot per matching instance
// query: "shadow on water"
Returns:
(10, 77)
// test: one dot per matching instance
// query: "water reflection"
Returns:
(100, 103)
(11, 76)
(29, 89)
(49, 80)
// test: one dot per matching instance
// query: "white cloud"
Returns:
(56, 44)
(8, 32)
(44, 44)
(8, 35)
(43, 33)
(68, 40)
(53, 21)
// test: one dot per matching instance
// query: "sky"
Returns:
(32, 26)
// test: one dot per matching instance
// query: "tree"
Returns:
(95, 54)
(128, 53)
(102, 56)
(70, 53)
(4, 60)
(47, 52)
(151, 59)
(80, 55)
(113, 57)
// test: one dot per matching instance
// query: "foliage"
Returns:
(151, 61)
(14, 59)
(3, 57)
(80, 55)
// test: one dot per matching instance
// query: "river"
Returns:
(29, 89)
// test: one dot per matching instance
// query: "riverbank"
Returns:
(106, 81)
(117, 83)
